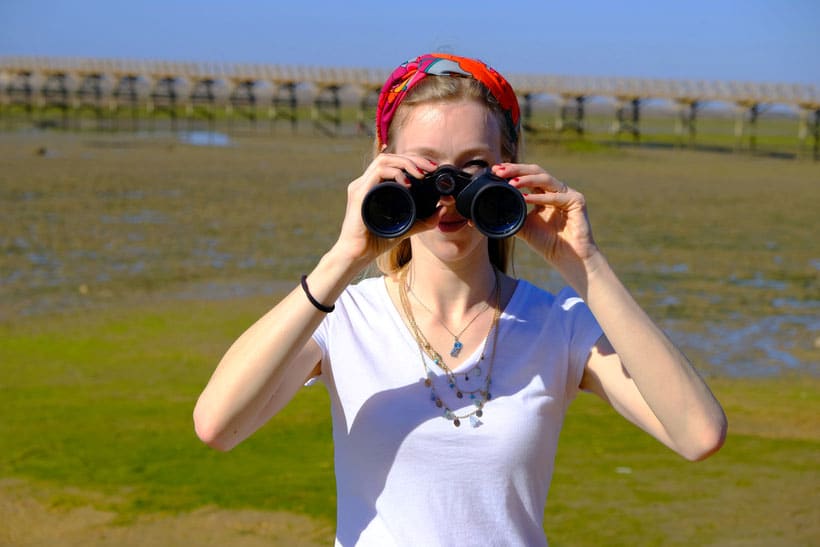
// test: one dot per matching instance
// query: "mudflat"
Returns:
(131, 261)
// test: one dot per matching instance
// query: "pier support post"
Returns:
(89, 96)
(19, 93)
(366, 114)
(55, 94)
(126, 97)
(326, 112)
(526, 114)
(163, 99)
(816, 134)
(571, 114)
(242, 100)
(202, 102)
(628, 117)
(685, 123)
(809, 128)
(284, 105)
(746, 112)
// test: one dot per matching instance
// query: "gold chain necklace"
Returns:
(481, 394)
(457, 345)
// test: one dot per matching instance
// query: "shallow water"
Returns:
(99, 219)
(781, 342)
(765, 346)
(205, 138)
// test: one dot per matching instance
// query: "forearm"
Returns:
(264, 368)
(262, 359)
(667, 382)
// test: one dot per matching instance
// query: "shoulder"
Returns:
(355, 309)
(369, 288)
(530, 298)
(562, 312)
(365, 296)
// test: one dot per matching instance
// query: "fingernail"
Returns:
(516, 179)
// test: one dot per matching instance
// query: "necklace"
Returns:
(457, 345)
(479, 395)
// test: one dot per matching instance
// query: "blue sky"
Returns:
(753, 40)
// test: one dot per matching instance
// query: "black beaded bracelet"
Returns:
(318, 305)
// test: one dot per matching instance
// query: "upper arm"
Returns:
(305, 365)
(605, 376)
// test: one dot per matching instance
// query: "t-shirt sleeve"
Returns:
(320, 336)
(339, 324)
(583, 331)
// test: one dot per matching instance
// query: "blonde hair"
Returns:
(450, 88)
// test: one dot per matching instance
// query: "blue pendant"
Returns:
(456, 348)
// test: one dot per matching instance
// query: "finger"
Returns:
(425, 165)
(390, 167)
(413, 165)
(529, 175)
(556, 199)
(555, 185)
(511, 170)
(543, 182)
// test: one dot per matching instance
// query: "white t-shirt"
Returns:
(405, 475)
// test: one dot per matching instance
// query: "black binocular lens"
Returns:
(390, 211)
(497, 209)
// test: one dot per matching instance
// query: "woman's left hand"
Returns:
(557, 227)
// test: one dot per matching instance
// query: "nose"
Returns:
(446, 201)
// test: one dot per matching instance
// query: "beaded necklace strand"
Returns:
(480, 395)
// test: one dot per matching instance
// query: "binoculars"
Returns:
(496, 209)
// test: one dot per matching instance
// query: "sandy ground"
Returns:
(26, 520)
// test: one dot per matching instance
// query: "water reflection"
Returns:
(765, 346)
(205, 138)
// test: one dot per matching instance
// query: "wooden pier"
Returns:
(118, 90)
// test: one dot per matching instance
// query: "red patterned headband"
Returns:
(408, 74)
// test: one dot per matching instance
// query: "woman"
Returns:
(446, 338)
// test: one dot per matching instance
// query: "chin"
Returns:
(456, 246)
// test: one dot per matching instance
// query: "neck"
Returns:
(451, 290)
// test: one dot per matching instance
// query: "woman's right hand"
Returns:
(355, 241)
(268, 364)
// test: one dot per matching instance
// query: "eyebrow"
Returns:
(469, 153)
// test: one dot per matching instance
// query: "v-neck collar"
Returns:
(412, 344)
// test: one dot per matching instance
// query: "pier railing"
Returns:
(111, 89)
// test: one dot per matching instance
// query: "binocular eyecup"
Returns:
(496, 209)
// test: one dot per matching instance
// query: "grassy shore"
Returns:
(97, 411)
(130, 263)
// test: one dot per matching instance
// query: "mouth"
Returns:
(449, 225)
